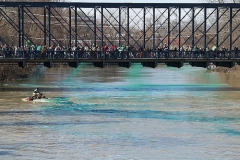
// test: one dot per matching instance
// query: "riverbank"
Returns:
(235, 69)
(13, 72)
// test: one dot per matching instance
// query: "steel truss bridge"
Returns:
(143, 27)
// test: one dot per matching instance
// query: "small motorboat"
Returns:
(34, 98)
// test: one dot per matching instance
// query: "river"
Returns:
(117, 113)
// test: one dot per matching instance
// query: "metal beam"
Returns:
(22, 25)
(70, 28)
(179, 30)
(128, 35)
(230, 29)
(76, 27)
(45, 26)
(144, 27)
(205, 28)
(19, 26)
(117, 5)
(154, 30)
(102, 29)
(95, 27)
(119, 25)
(49, 26)
(169, 30)
(217, 28)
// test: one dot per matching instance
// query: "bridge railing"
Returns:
(81, 54)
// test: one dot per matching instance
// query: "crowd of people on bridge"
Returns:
(111, 51)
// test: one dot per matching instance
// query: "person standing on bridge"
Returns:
(39, 49)
(236, 52)
(4, 50)
(44, 52)
(105, 49)
(57, 52)
(165, 49)
(195, 51)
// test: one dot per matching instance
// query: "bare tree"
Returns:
(224, 21)
(33, 17)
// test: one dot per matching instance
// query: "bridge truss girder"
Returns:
(139, 25)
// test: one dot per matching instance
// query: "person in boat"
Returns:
(36, 94)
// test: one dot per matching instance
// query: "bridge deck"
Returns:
(124, 59)
(117, 60)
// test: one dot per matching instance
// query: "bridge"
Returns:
(123, 58)
(170, 33)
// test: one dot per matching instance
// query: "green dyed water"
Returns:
(118, 113)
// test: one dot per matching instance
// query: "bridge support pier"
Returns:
(73, 64)
(99, 64)
(21, 64)
(174, 64)
(47, 64)
(150, 64)
(125, 64)
(199, 64)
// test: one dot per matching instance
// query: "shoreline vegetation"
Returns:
(13, 72)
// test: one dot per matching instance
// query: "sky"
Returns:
(143, 1)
